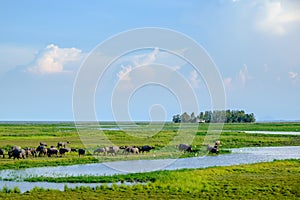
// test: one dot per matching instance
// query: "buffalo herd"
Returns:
(61, 149)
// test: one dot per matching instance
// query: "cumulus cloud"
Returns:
(277, 17)
(54, 59)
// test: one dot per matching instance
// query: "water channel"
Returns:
(238, 156)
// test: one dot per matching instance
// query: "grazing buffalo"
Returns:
(215, 148)
(133, 150)
(43, 144)
(145, 148)
(2, 153)
(17, 153)
(52, 151)
(42, 150)
(99, 150)
(62, 144)
(212, 149)
(30, 151)
(81, 152)
(16, 147)
(113, 150)
(62, 151)
(185, 147)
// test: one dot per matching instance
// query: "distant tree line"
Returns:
(228, 116)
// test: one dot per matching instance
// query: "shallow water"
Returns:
(274, 132)
(27, 186)
(238, 156)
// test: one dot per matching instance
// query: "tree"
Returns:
(176, 118)
(185, 117)
(193, 118)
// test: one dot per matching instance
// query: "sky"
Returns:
(255, 45)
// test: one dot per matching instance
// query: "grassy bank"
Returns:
(273, 180)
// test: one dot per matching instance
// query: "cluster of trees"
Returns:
(228, 116)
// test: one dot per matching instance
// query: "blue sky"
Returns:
(254, 43)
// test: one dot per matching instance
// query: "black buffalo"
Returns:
(17, 153)
(52, 151)
(145, 148)
(43, 144)
(185, 147)
(2, 153)
(81, 152)
(100, 150)
(42, 150)
(62, 151)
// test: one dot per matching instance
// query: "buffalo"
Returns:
(43, 144)
(113, 150)
(185, 147)
(42, 150)
(62, 151)
(99, 150)
(133, 150)
(81, 152)
(30, 151)
(62, 144)
(145, 148)
(2, 153)
(215, 148)
(52, 151)
(212, 149)
(17, 153)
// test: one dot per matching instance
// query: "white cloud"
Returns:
(294, 75)
(124, 73)
(244, 75)
(194, 79)
(228, 82)
(276, 18)
(54, 59)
